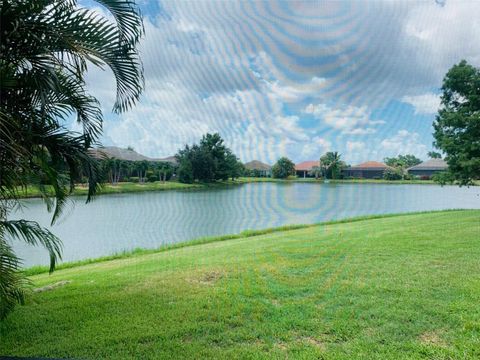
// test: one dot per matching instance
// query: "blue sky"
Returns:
(292, 79)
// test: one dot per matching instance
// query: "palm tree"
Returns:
(45, 48)
(332, 163)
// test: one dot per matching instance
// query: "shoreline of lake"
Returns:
(124, 222)
(41, 269)
(129, 187)
(305, 284)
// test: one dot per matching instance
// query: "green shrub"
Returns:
(392, 174)
(152, 178)
(444, 177)
(185, 171)
(134, 179)
(283, 168)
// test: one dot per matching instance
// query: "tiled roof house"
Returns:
(304, 168)
(366, 170)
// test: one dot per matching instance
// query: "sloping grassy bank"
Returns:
(384, 288)
(36, 270)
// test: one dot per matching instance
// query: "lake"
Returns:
(113, 223)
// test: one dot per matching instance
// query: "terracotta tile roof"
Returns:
(372, 165)
(306, 165)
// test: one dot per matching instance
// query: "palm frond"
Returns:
(33, 234)
(128, 17)
(46, 47)
(12, 282)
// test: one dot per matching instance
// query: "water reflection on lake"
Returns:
(113, 223)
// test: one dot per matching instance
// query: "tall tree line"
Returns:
(116, 170)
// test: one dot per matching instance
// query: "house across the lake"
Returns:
(305, 168)
(169, 159)
(114, 152)
(366, 170)
(259, 168)
(428, 168)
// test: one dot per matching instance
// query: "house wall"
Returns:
(428, 173)
(364, 174)
(304, 173)
(261, 173)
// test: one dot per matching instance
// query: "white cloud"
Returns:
(314, 148)
(285, 88)
(403, 142)
(358, 151)
(424, 104)
(443, 35)
(296, 91)
(354, 146)
(351, 120)
(179, 106)
(236, 67)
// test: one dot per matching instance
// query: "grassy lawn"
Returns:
(388, 288)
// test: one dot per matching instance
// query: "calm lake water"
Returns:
(113, 223)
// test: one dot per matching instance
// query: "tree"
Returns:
(332, 165)
(393, 174)
(164, 169)
(234, 167)
(196, 163)
(141, 168)
(45, 47)
(283, 168)
(316, 171)
(114, 170)
(209, 161)
(185, 171)
(203, 163)
(402, 161)
(434, 155)
(213, 145)
(457, 125)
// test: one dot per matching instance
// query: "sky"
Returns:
(292, 78)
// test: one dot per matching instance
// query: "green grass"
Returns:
(382, 288)
(35, 270)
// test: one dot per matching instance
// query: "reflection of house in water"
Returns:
(258, 168)
(366, 170)
(305, 168)
(428, 168)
